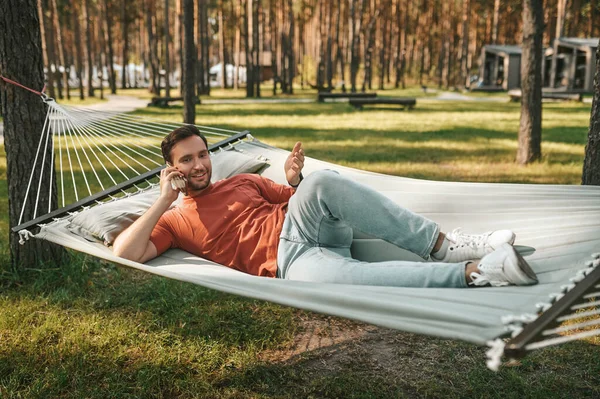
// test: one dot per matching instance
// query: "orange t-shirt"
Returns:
(235, 222)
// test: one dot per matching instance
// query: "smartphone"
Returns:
(179, 182)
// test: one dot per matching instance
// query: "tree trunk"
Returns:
(369, 43)
(390, 40)
(179, 57)
(445, 50)
(257, 31)
(560, 20)
(152, 47)
(88, 47)
(328, 55)
(205, 49)
(189, 54)
(141, 44)
(167, 48)
(24, 112)
(452, 54)
(277, 43)
(46, 46)
(464, 52)
(530, 129)
(420, 38)
(355, 20)
(575, 10)
(473, 45)
(200, 45)
(339, 44)
(495, 21)
(291, 58)
(222, 51)
(591, 164)
(302, 44)
(236, 58)
(61, 49)
(592, 18)
(78, 50)
(125, 49)
(413, 35)
(381, 45)
(321, 44)
(230, 36)
(112, 80)
(51, 40)
(101, 45)
(248, 42)
(402, 70)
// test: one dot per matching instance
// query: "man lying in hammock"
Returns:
(304, 232)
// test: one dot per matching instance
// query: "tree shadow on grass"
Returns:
(89, 287)
(341, 108)
(375, 363)
(178, 339)
(330, 108)
(412, 146)
(565, 135)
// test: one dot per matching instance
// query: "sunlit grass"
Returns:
(594, 323)
(439, 140)
(98, 331)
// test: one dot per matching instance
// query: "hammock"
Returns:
(114, 157)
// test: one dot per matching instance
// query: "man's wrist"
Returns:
(164, 202)
(299, 181)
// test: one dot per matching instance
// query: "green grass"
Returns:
(439, 140)
(228, 94)
(92, 329)
(299, 92)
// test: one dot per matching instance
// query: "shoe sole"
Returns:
(524, 266)
(512, 240)
(524, 272)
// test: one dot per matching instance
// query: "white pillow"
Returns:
(233, 162)
(105, 222)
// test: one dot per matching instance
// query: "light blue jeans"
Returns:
(317, 233)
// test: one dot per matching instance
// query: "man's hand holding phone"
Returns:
(172, 183)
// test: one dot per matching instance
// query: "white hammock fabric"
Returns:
(557, 228)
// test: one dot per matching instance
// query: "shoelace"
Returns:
(479, 279)
(472, 240)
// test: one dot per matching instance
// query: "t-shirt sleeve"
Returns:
(271, 191)
(162, 236)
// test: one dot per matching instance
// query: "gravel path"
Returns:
(450, 96)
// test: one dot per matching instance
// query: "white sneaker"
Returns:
(475, 246)
(504, 266)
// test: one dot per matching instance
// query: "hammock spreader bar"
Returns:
(119, 187)
(517, 347)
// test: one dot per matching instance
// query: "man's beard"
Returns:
(193, 186)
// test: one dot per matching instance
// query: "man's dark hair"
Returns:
(176, 136)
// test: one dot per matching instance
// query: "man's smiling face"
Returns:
(190, 156)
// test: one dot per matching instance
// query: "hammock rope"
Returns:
(99, 149)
